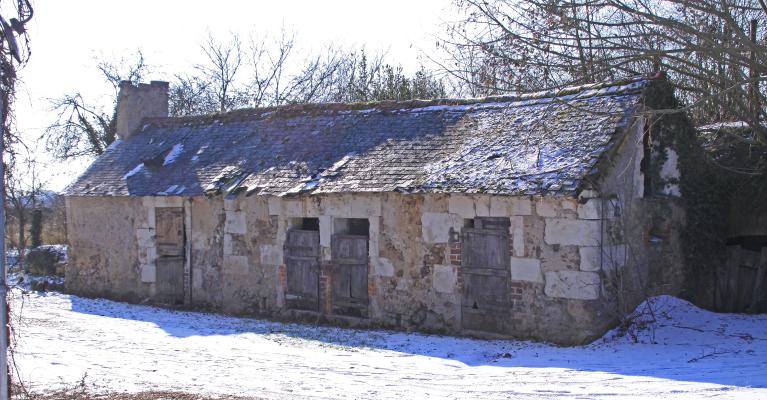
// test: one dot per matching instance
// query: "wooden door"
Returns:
(741, 285)
(349, 254)
(169, 237)
(745, 293)
(485, 301)
(302, 261)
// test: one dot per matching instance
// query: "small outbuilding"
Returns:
(543, 216)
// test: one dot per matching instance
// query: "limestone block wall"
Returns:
(251, 257)
(207, 252)
(563, 250)
(236, 262)
(415, 281)
(111, 247)
(415, 258)
(556, 277)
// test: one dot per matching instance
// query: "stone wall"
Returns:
(555, 297)
(109, 250)
(641, 244)
(236, 256)
(414, 252)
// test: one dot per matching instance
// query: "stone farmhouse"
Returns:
(540, 216)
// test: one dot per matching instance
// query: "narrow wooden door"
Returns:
(485, 301)
(302, 260)
(746, 280)
(349, 254)
(169, 237)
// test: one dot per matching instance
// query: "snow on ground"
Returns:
(687, 354)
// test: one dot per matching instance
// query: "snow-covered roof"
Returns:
(542, 143)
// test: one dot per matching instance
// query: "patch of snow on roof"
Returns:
(174, 152)
(170, 190)
(440, 108)
(464, 107)
(134, 171)
(113, 145)
(314, 181)
(726, 125)
(333, 170)
(197, 154)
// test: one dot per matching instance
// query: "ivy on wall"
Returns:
(707, 192)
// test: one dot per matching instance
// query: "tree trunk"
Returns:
(22, 236)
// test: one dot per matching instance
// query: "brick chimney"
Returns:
(134, 103)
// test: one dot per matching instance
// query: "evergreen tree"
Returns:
(36, 229)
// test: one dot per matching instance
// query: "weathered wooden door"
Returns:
(742, 286)
(169, 236)
(745, 287)
(349, 254)
(485, 302)
(743, 280)
(302, 261)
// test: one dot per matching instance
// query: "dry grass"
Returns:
(81, 392)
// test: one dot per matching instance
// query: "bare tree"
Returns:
(22, 195)
(220, 70)
(714, 50)
(232, 76)
(264, 73)
(132, 69)
(268, 74)
(353, 76)
(192, 95)
(86, 128)
(268, 64)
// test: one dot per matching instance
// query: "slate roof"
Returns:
(543, 143)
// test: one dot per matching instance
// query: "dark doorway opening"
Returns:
(304, 224)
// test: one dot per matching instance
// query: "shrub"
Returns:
(43, 260)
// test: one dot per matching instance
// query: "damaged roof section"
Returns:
(544, 143)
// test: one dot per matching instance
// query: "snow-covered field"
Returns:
(690, 354)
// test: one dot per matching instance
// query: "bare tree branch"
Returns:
(503, 46)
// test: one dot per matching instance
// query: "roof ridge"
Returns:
(625, 86)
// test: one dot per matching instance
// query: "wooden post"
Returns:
(754, 77)
(4, 323)
(731, 282)
(759, 294)
(187, 251)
